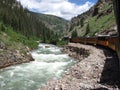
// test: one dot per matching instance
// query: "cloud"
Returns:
(61, 8)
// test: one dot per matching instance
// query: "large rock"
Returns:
(2, 45)
(76, 52)
(10, 56)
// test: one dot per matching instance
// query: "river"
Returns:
(49, 63)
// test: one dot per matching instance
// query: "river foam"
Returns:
(49, 63)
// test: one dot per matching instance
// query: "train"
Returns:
(113, 42)
(107, 41)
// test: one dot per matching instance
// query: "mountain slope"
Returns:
(57, 24)
(20, 30)
(98, 20)
(30, 24)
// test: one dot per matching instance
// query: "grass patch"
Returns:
(12, 38)
(99, 24)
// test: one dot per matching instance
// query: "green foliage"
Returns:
(24, 26)
(98, 24)
(87, 30)
(2, 27)
(62, 42)
(107, 7)
(82, 22)
(57, 24)
(98, 19)
(12, 37)
(22, 21)
(102, 23)
(21, 39)
(74, 33)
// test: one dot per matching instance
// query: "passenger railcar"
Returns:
(111, 42)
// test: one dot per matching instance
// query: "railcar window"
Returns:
(102, 38)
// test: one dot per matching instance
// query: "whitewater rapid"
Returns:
(49, 63)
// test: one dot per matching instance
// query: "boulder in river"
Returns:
(47, 46)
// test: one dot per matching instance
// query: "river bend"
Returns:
(49, 63)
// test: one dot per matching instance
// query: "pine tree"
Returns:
(87, 29)
(74, 34)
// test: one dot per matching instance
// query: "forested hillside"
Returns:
(98, 20)
(57, 24)
(20, 31)
(27, 23)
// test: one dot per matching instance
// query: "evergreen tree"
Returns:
(24, 22)
(87, 29)
(82, 22)
(74, 34)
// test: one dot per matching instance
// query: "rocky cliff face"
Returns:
(99, 19)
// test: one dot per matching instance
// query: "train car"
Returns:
(113, 43)
(75, 40)
(102, 40)
(78, 40)
(82, 40)
(107, 41)
(117, 15)
(91, 40)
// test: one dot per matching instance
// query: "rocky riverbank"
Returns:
(86, 74)
(11, 56)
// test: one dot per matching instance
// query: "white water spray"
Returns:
(49, 63)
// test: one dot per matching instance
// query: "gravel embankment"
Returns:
(97, 70)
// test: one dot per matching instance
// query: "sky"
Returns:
(62, 8)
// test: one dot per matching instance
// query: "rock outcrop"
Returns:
(100, 19)
(10, 56)
(76, 52)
